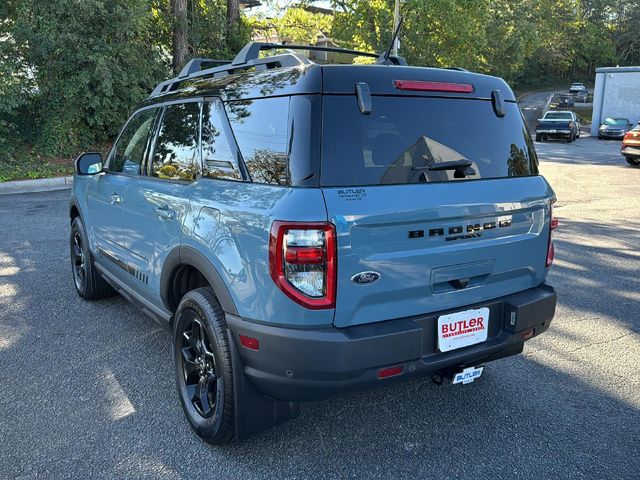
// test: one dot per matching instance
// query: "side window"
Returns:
(128, 152)
(175, 156)
(260, 128)
(218, 152)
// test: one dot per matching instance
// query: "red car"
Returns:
(631, 146)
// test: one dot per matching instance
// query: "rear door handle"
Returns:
(165, 213)
(115, 198)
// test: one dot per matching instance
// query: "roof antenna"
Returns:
(393, 40)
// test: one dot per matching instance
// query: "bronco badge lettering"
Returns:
(473, 230)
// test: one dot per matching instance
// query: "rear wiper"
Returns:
(454, 165)
(462, 168)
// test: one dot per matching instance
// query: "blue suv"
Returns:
(306, 229)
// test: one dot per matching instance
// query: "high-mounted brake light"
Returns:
(302, 262)
(423, 86)
(553, 224)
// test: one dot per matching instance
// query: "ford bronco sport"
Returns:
(307, 229)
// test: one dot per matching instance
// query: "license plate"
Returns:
(462, 329)
(467, 375)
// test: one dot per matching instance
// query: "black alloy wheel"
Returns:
(88, 282)
(78, 262)
(204, 370)
(199, 367)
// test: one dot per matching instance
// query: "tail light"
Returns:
(553, 224)
(302, 262)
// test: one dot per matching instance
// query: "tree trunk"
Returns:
(180, 43)
(233, 15)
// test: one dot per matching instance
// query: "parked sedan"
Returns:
(631, 146)
(614, 128)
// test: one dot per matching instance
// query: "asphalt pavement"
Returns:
(87, 389)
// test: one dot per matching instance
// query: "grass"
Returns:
(584, 115)
(28, 165)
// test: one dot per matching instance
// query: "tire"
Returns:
(570, 138)
(538, 138)
(88, 282)
(633, 161)
(202, 360)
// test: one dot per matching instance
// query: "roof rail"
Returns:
(277, 61)
(249, 57)
(251, 51)
(195, 65)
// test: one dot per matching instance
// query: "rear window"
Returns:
(413, 140)
(558, 116)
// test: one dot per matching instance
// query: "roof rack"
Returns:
(249, 57)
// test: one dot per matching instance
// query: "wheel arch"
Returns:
(74, 210)
(187, 260)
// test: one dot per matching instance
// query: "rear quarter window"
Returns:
(260, 129)
(410, 139)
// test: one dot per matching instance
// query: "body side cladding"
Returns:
(185, 255)
(158, 313)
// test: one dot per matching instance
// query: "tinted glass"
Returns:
(410, 140)
(128, 155)
(176, 150)
(218, 154)
(558, 116)
(260, 128)
(617, 121)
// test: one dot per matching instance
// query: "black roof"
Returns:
(332, 79)
(248, 76)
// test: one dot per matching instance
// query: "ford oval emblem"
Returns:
(363, 278)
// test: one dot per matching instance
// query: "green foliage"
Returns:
(528, 42)
(89, 67)
(297, 25)
(71, 71)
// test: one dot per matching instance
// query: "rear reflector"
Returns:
(250, 343)
(553, 224)
(390, 371)
(528, 333)
(421, 86)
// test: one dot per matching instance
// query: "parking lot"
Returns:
(87, 389)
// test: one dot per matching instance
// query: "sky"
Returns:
(278, 7)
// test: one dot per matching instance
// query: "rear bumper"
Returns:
(300, 365)
(557, 133)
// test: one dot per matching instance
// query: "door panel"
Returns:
(107, 199)
(104, 202)
(156, 203)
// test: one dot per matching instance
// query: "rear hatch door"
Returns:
(437, 204)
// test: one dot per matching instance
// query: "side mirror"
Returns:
(89, 163)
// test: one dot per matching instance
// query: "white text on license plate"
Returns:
(462, 329)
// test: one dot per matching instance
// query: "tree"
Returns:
(180, 47)
(297, 25)
(89, 69)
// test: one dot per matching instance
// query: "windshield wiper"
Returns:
(462, 168)
(454, 165)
